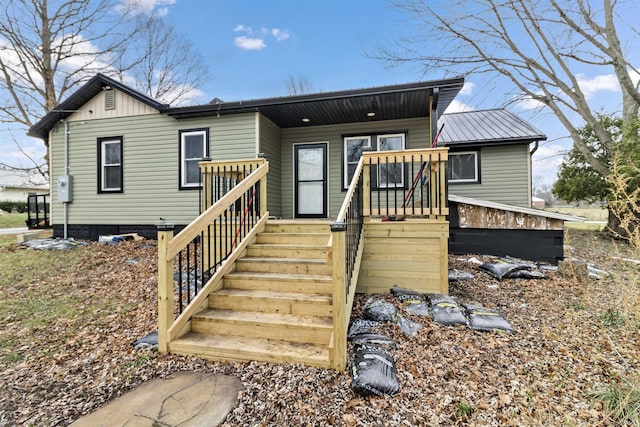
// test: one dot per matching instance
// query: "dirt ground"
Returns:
(570, 340)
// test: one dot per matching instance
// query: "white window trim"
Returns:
(347, 179)
(404, 142)
(104, 165)
(476, 174)
(184, 159)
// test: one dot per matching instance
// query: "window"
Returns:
(110, 165)
(353, 147)
(194, 146)
(463, 167)
(391, 175)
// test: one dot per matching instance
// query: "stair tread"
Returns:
(279, 276)
(265, 318)
(289, 246)
(242, 348)
(298, 296)
(283, 260)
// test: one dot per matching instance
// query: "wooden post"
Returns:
(263, 196)
(339, 296)
(165, 287)
(366, 188)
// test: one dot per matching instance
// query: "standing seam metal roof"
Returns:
(497, 126)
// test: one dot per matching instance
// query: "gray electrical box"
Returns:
(65, 188)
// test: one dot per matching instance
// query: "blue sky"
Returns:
(253, 47)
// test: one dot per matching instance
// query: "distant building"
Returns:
(15, 185)
(537, 202)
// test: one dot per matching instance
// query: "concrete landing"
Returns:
(185, 399)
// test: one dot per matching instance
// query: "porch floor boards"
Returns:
(276, 306)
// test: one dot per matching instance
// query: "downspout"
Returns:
(531, 153)
(66, 171)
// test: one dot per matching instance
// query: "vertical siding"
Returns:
(504, 174)
(418, 136)
(150, 159)
(125, 106)
(270, 146)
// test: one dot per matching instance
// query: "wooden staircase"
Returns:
(277, 304)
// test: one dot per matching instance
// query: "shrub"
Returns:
(13, 207)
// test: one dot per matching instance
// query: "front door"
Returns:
(310, 180)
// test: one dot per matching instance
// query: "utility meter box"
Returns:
(65, 188)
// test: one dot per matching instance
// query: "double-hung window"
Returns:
(463, 167)
(194, 146)
(110, 171)
(389, 175)
(353, 147)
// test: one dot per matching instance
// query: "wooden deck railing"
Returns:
(345, 247)
(406, 183)
(191, 264)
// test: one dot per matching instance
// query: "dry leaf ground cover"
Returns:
(69, 318)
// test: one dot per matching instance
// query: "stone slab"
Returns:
(185, 399)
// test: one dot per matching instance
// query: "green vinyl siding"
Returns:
(150, 162)
(270, 147)
(417, 136)
(504, 176)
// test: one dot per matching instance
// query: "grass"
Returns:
(589, 214)
(622, 401)
(13, 220)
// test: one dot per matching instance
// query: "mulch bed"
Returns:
(544, 373)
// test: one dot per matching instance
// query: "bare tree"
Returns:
(539, 46)
(299, 86)
(542, 49)
(49, 47)
(162, 63)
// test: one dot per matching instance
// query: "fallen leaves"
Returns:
(53, 372)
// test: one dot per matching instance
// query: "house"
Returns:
(16, 185)
(490, 155)
(269, 214)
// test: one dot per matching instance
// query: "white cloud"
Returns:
(525, 102)
(248, 43)
(255, 40)
(547, 159)
(458, 106)
(145, 7)
(280, 34)
(467, 89)
(590, 86)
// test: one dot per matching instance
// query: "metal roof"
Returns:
(13, 178)
(486, 127)
(350, 106)
(80, 97)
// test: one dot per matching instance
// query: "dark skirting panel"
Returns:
(533, 245)
(94, 231)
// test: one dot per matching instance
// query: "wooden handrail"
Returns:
(193, 229)
(399, 156)
(352, 188)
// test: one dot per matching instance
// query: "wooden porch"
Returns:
(236, 285)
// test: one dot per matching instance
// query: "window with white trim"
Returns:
(391, 175)
(194, 146)
(463, 167)
(110, 171)
(353, 147)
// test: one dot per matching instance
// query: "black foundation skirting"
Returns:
(533, 245)
(94, 231)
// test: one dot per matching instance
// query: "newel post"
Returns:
(165, 287)
(339, 296)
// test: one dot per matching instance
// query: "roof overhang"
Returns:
(351, 106)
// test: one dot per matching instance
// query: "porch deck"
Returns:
(236, 285)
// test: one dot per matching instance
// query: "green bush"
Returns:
(15, 207)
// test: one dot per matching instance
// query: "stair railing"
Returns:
(346, 254)
(191, 265)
